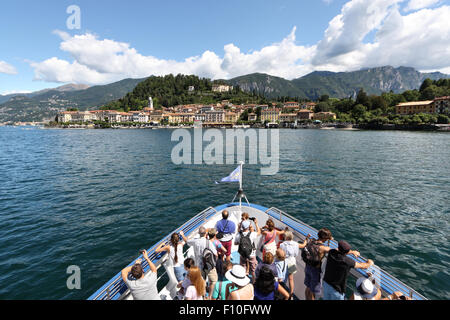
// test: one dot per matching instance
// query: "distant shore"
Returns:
(324, 126)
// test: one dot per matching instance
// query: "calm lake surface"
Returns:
(93, 198)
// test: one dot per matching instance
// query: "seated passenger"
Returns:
(220, 289)
(243, 289)
(266, 286)
(397, 295)
(366, 290)
(143, 286)
(183, 285)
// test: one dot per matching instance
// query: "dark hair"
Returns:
(265, 283)
(270, 225)
(226, 264)
(137, 271)
(324, 234)
(174, 239)
(189, 263)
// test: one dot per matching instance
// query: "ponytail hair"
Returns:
(174, 239)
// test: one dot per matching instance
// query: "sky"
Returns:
(113, 40)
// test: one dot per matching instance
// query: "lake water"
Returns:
(93, 198)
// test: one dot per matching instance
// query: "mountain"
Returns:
(64, 88)
(267, 85)
(45, 104)
(337, 84)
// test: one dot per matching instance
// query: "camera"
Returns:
(252, 218)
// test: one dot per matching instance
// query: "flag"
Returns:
(235, 176)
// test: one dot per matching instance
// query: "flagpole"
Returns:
(240, 182)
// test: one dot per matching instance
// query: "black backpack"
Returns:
(246, 246)
(311, 255)
(209, 261)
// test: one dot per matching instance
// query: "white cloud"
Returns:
(7, 68)
(420, 4)
(366, 33)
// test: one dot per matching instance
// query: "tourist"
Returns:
(199, 245)
(243, 288)
(213, 274)
(268, 260)
(226, 229)
(197, 289)
(189, 263)
(397, 295)
(366, 289)
(220, 290)
(281, 266)
(244, 217)
(337, 269)
(266, 286)
(246, 241)
(313, 254)
(270, 234)
(291, 249)
(176, 256)
(143, 286)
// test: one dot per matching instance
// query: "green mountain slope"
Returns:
(47, 103)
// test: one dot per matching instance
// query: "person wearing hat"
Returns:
(238, 276)
(366, 290)
(249, 262)
(337, 269)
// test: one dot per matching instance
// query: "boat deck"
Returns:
(115, 289)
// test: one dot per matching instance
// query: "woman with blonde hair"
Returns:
(197, 289)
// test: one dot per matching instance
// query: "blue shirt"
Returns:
(225, 226)
(270, 296)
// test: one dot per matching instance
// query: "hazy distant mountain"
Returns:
(339, 85)
(47, 103)
(64, 88)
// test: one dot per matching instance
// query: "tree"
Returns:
(425, 84)
(362, 98)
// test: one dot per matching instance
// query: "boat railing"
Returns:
(116, 289)
(384, 280)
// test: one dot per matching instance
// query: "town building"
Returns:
(305, 114)
(215, 116)
(288, 117)
(252, 117)
(221, 88)
(271, 115)
(414, 107)
(324, 116)
(442, 104)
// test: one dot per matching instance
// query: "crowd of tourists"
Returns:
(211, 275)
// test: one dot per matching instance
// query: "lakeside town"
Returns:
(291, 114)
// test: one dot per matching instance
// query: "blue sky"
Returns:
(287, 38)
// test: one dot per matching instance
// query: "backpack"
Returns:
(209, 261)
(311, 255)
(246, 246)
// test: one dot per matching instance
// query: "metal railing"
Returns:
(387, 283)
(116, 289)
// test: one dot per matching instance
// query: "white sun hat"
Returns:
(365, 288)
(238, 276)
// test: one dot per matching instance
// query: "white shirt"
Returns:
(200, 245)
(180, 255)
